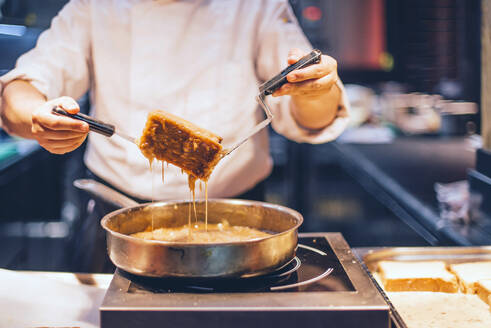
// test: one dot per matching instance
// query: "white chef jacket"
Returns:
(201, 60)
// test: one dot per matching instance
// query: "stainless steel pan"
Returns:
(174, 259)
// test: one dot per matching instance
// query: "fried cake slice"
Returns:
(167, 137)
(483, 290)
(470, 273)
(430, 276)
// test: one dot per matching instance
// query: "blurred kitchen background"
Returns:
(399, 176)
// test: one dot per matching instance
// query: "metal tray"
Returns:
(369, 257)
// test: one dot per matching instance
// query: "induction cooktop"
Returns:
(323, 286)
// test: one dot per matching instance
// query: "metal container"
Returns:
(190, 260)
(450, 255)
(370, 257)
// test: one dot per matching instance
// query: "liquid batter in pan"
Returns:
(216, 233)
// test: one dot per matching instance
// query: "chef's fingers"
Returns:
(294, 55)
(62, 146)
(45, 118)
(67, 143)
(326, 66)
(315, 87)
(47, 133)
(57, 141)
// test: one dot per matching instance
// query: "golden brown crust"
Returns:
(483, 290)
(430, 276)
(169, 138)
(421, 284)
(470, 273)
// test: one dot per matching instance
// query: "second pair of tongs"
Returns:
(270, 86)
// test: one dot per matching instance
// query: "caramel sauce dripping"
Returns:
(206, 206)
(163, 162)
(196, 151)
(192, 187)
(153, 192)
(221, 232)
(189, 218)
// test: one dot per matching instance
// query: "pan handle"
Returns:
(102, 191)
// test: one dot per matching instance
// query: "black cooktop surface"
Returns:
(315, 268)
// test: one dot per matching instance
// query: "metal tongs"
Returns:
(265, 89)
(97, 126)
(271, 86)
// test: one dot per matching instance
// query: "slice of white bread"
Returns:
(483, 290)
(470, 273)
(441, 310)
(429, 276)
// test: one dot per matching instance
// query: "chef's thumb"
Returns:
(69, 104)
(294, 55)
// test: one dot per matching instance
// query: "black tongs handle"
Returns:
(94, 125)
(276, 82)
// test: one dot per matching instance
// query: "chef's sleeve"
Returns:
(59, 64)
(278, 32)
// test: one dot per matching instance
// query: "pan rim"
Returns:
(282, 208)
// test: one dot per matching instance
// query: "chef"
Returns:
(200, 60)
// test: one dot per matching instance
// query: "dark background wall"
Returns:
(430, 45)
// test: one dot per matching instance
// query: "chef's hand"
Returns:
(311, 81)
(56, 133)
(314, 94)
